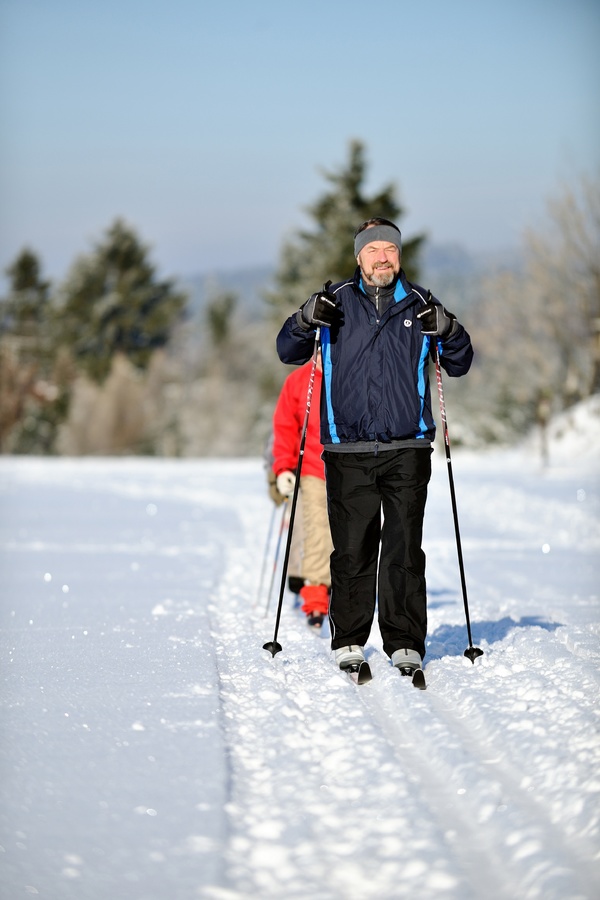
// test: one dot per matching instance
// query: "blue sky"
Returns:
(207, 126)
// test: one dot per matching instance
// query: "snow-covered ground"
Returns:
(151, 748)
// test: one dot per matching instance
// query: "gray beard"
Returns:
(382, 279)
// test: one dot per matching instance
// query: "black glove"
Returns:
(436, 320)
(320, 309)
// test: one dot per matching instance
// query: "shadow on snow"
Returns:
(452, 640)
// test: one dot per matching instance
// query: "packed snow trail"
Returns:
(152, 748)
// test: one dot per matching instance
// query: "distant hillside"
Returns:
(454, 274)
(448, 269)
(248, 284)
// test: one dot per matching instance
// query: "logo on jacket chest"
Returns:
(407, 323)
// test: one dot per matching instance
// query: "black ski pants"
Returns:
(375, 561)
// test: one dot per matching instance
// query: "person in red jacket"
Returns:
(288, 422)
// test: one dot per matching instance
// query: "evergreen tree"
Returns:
(35, 379)
(327, 252)
(219, 357)
(113, 303)
(218, 317)
(25, 311)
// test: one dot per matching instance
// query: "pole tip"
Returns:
(473, 653)
(273, 647)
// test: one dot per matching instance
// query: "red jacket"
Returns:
(288, 421)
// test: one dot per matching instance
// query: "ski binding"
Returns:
(360, 673)
(417, 676)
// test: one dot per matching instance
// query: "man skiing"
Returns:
(377, 429)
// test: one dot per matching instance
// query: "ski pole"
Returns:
(471, 652)
(272, 646)
(265, 554)
(275, 561)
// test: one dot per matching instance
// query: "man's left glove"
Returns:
(436, 320)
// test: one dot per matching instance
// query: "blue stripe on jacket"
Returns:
(326, 361)
(421, 384)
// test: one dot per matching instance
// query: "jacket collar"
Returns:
(402, 290)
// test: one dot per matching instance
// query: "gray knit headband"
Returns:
(378, 233)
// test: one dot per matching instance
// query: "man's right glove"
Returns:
(286, 482)
(320, 309)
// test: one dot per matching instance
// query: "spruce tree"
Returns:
(112, 302)
(26, 311)
(327, 251)
(35, 379)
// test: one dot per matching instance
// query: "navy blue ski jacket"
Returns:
(375, 368)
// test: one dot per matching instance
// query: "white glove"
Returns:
(286, 482)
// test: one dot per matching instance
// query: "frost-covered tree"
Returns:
(327, 250)
(536, 332)
(564, 266)
(112, 302)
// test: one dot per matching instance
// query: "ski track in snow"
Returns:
(153, 748)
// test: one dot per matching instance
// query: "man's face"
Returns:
(379, 262)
